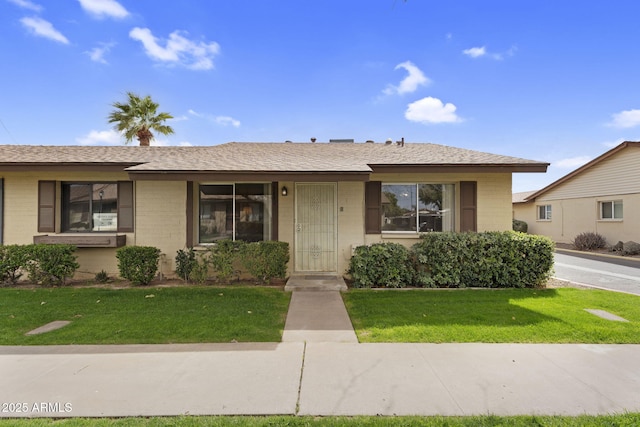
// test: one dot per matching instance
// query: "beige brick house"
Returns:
(324, 199)
(603, 196)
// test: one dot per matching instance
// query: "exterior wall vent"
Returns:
(342, 140)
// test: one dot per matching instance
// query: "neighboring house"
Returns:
(603, 196)
(324, 199)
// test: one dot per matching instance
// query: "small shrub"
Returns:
(138, 264)
(519, 226)
(13, 259)
(222, 257)
(199, 270)
(266, 260)
(381, 264)
(589, 241)
(185, 262)
(50, 264)
(102, 277)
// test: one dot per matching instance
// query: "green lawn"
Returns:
(624, 420)
(501, 315)
(143, 315)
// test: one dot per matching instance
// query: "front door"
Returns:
(316, 227)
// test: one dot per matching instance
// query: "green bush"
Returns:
(490, 259)
(13, 260)
(138, 264)
(381, 265)
(589, 241)
(520, 226)
(200, 269)
(185, 262)
(265, 260)
(223, 256)
(102, 277)
(50, 264)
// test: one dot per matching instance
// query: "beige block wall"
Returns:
(160, 219)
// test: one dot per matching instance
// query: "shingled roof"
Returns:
(243, 157)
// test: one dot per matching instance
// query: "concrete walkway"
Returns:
(319, 379)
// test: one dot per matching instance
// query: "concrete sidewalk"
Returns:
(319, 379)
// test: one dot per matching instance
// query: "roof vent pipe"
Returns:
(313, 140)
(401, 142)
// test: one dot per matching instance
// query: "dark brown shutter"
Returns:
(469, 206)
(125, 206)
(46, 206)
(373, 207)
(275, 197)
(189, 213)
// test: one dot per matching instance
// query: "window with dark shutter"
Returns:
(46, 206)
(373, 207)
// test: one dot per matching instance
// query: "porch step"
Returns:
(315, 283)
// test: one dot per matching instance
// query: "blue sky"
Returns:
(555, 81)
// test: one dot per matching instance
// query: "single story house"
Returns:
(324, 199)
(603, 196)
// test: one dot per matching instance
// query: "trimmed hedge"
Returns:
(45, 265)
(490, 259)
(138, 264)
(264, 261)
(381, 264)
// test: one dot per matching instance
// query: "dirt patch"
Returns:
(601, 251)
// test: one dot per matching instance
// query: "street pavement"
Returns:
(622, 275)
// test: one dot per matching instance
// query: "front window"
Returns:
(418, 207)
(89, 207)
(611, 209)
(235, 211)
(544, 213)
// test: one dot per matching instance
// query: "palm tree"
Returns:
(137, 118)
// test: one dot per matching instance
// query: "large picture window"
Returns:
(418, 207)
(235, 211)
(89, 207)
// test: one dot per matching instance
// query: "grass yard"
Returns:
(143, 315)
(623, 420)
(493, 316)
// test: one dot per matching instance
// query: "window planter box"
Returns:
(84, 241)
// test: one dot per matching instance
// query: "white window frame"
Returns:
(547, 212)
(613, 210)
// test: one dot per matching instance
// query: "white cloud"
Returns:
(43, 28)
(26, 4)
(195, 55)
(431, 110)
(475, 52)
(625, 119)
(104, 8)
(219, 120)
(97, 53)
(409, 84)
(226, 121)
(478, 52)
(101, 137)
(572, 163)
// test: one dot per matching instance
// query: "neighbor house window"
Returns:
(235, 211)
(611, 209)
(89, 207)
(544, 213)
(418, 207)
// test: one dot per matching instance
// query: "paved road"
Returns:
(599, 273)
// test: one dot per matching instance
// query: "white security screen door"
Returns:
(316, 227)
